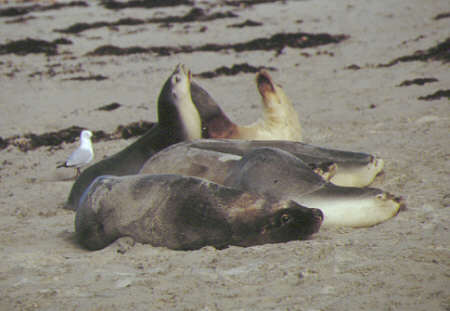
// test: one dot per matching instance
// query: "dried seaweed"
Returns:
(418, 81)
(247, 23)
(439, 52)
(436, 95)
(146, 4)
(18, 11)
(194, 15)
(109, 107)
(33, 141)
(234, 70)
(276, 42)
(32, 46)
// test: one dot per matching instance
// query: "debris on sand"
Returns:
(32, 46)
(276, 42)
(418, 81)
(439, 52)
(146, 4)
(33, 141)
(194, 15)
(19, 11)
(436, 95)
(234, 70)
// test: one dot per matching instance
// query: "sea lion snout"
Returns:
(317, 214)
(264, 83)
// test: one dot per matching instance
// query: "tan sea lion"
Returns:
(275, 173)
(279, 121)
(184, 213)
(178, 120)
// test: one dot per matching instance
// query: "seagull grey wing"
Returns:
(79, 157)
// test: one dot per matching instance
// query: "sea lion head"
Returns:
(278, 109)
(273, 97)
(288, 221)
(294, 222)
(176, 110)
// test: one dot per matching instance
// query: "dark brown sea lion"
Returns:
(186, 213)
(343, 168)
(178, 120)
(279, 121)
(277, 174)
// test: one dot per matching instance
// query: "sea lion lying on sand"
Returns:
(343, 168)
(275, 173)
(184, 213)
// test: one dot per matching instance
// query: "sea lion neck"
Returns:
(215, 123)
(177, 113)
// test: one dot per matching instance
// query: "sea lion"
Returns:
(178, 120)
(279, 121)
(185, 213)
(343, 168)
(278, 174)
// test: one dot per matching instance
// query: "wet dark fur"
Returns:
(186, 213)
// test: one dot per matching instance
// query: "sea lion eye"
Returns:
(285, 218)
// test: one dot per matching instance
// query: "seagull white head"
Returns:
(85, 134)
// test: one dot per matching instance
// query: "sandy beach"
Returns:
(369, 76)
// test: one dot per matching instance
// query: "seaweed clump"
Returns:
(32, 46)
(439, 52)
(234, 70)
(33, 141)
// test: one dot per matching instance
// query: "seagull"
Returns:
(81, 156)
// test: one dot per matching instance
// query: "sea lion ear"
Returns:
(285, 218)
(264, 82)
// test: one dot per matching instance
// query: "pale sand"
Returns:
(402, 264)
